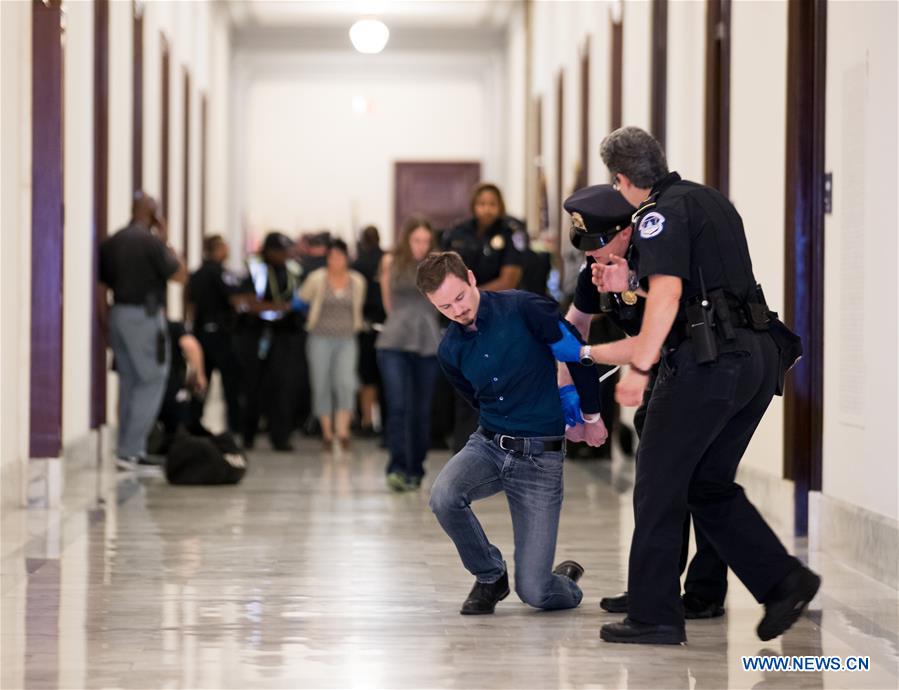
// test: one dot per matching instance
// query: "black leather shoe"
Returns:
(569, 569)
(696, 608)
(631, 632)
(484, 597)
(787, 601)
(616, 604)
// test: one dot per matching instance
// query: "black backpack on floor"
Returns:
(199, 460)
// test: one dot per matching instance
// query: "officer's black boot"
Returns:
(616, 604)
(632, 632)
(570, 569)
(696, 608)
(786, 602)
(484, 596)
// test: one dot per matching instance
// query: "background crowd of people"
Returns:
(314, 338)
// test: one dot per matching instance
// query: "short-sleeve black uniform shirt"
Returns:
(690, 231)
(484, 255)
(210, 289)
(136, 265)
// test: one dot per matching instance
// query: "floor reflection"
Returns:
(311, 574)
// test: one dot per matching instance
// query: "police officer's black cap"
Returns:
(598, 213)
(275, 241)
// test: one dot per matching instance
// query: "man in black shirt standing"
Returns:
(210, 291)
(136, 263)
(723, 356)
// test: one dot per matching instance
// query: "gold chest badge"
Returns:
(497, 243)
(629, 297)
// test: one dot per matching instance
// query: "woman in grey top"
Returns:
(407, 356)
(335, 295)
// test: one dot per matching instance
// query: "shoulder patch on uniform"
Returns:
(652, 224)
(520, 240)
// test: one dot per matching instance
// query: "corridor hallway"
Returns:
(311, 574)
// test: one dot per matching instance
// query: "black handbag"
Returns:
(204, 460)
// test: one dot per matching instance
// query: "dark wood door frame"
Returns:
(137, 98)
(164, 126)
(542, 191)
(185, 160)
(804, 248)
(560, 152)
(47, 223)
(100, 210)
(659, 92)
(717, 95)
(204, 152)
(616, 73)
(584, 164)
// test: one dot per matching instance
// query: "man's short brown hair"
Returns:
(436, 267)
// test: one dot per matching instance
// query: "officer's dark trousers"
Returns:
(271, 385)
(219, 353)
(707, 576)
(698, 424)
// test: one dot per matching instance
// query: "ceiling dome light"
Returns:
(369, 36)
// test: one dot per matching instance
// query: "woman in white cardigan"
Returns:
(335, 295)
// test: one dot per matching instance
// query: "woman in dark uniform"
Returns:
(486, 244)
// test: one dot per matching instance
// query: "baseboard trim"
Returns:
(773, 497)
(867, 541)
(46, 477)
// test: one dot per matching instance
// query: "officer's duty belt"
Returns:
(681, 331)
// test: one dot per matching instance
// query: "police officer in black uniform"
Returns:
(210, 291)
(601, 227)
(486, 243)
(724, 355)
(269, 342)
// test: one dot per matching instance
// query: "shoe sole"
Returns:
(485, 613)
(704, 615)
(613, 609)
(778, 627)
(654, 638)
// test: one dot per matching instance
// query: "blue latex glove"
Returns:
(571, 405)
(296, 304)
(568, 347)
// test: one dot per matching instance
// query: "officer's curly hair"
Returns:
(436, 267)
(635, 153)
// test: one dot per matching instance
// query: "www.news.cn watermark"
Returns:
(806, 664)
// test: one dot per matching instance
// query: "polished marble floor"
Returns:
(310, 574)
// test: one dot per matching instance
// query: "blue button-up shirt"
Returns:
(505, 368)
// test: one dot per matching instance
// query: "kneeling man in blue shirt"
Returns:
(500, 353)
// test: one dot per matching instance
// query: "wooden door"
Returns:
(439, 191)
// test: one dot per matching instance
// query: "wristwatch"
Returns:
(591, 418)
(586, 357)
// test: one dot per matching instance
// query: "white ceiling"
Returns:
(436, 14)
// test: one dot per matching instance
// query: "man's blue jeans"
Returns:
(408, 381)
(533, 487)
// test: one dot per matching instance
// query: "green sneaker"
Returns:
(413, 483)
(397, 482)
